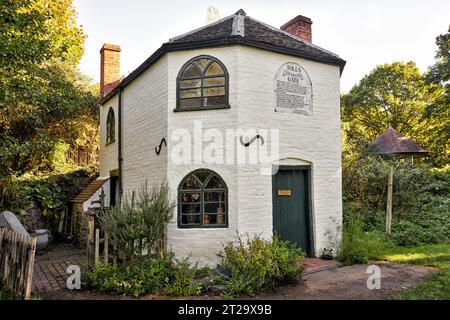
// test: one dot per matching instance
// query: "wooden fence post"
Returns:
(30, 268)
(90, 240)
(97, 246)
(389, 201)
(105, 248)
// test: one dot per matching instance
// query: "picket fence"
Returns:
(17, 262)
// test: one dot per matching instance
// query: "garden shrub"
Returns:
(421, 199)
(354, 248)
(182, 280)
(258, 265)
(146, 276)
(139, 222)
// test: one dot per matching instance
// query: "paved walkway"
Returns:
(313, 265)
(50, 267)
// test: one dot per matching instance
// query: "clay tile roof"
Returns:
(88, 191)
(259, 34)
(236, 29)
(393, 142)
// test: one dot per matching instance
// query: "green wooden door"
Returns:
(291, 206)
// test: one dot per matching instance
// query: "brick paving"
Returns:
(50, 267)
(312, 265)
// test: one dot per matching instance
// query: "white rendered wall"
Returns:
(108, 153)
(144, 103)
(310, 139)
(148, 116)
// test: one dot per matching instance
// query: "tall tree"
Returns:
(41, 92)
(439, 111)
(394, 95)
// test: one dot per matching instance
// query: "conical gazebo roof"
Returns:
(392, 142)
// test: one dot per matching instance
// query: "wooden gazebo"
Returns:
(392, 144)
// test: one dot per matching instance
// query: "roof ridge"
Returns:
(294, 37)
(201, 28)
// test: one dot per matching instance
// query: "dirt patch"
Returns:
(349, 283)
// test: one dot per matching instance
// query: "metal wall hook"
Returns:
(158, 148)
(246, 144)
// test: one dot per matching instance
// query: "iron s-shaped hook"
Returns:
(158, 149)
(246, 144)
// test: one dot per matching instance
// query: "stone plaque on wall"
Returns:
(293, 90)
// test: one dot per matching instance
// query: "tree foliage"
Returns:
(439, 74)
(396, 95)
(43, 98)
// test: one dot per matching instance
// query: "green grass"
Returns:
(432, 255)
(436, 286)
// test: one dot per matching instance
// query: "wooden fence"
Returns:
(93, 243)
(17, 261)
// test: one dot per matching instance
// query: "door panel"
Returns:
(291, 208)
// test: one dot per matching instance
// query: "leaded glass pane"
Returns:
(191, 72)
(219, 81)
(214, 101)
(217, 91)
(192, 93)
(202, 63)
(213, 196)
(190, 219)
(202, 175)
(214, 70)
(195, 83)
(190, 208)
(215, 183)
(190, 183)
(215, 207)
(190, 197)
(189, 103)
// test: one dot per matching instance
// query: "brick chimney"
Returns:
(109, 68)
(300, 27)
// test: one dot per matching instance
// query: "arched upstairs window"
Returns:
(202, 84)
(202, 200)
(110, 127)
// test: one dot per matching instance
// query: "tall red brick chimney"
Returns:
(109, 68)
(300, 27)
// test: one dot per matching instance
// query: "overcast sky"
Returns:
(365, 33)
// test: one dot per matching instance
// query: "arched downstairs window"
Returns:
(110, 127)
(202, 200)
(202, 84)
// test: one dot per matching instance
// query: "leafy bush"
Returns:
(421, 199)
(47, 196)
(182, 280)
(145, 276)
(354, 248)
(140, 223)
(257, 265)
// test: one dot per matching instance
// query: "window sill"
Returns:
(203, 227)
(201, 108)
